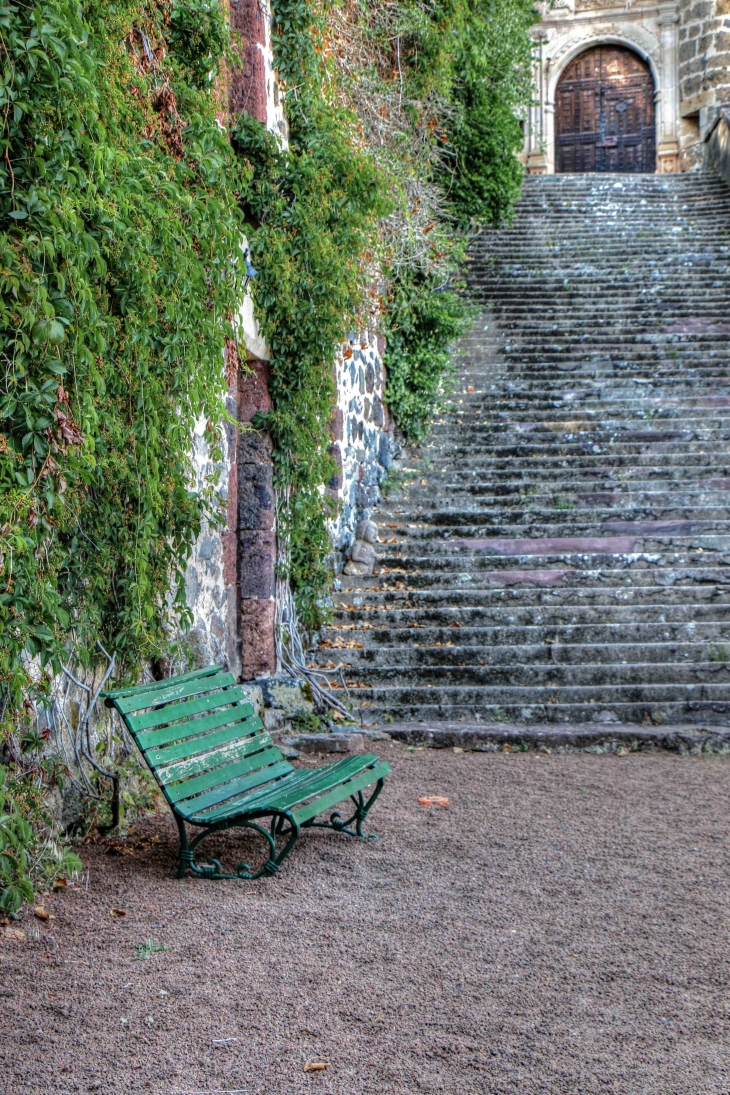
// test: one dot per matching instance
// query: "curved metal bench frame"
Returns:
(219, 769)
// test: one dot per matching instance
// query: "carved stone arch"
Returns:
(567, 47)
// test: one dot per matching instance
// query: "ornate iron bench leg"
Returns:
(212, 868)
(362, 809)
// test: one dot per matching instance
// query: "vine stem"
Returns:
(290, 652)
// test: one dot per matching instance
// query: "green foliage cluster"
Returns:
(469, 63)
(452, 76)
(311, 211)
(28, 856)
(423, 323)
(120, 261)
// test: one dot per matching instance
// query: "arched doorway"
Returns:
(604, 113)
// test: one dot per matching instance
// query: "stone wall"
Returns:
(363, 445)
(210, 582)
(230, 581)
(704, 71)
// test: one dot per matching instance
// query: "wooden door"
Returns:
(604, 113)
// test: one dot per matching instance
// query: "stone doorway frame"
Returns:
(565, 34)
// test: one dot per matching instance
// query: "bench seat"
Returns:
(218, 767)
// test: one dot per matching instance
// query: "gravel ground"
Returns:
(561, 927)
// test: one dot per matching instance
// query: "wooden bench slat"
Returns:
(151, 686)
(177, 691)
(216, 758)
(174, 730)
(283, 795)
(319, 805)
(246, 762)
(307, 782)
(202, 743)
(193, 809)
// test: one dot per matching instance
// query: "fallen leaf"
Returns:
(458, 749)
(117, 912)
(315, 1066)
(41, 913)
(506, 748)
(622, 752)
(13, 933)
(470, 388)
(434, 800)
(60, 884)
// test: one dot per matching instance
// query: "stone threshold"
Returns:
(572, 738)
(508, 737)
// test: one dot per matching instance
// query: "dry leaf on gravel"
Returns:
(433, 800)
(622, 752)
(16, 934)
(117, 912)
(41, 913)
(315, 1066)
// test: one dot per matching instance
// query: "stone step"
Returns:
(475, 697)
(539, 654)
(555, 493)
(571, 678)
(552, 538)
(394, 562)
(616, 579)
(546, 616)
(587, 635)
(554, 595)
(612, 711)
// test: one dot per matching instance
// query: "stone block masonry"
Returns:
(703, 73)
(363, 444)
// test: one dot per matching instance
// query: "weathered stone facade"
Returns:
(704, 71)
(231, 577)
(362, 436)
(686, 45)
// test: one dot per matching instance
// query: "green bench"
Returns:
(218, 768)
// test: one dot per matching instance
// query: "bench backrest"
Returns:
(200, 736)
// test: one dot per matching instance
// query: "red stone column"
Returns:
(256, 528)
(229, 536)
(250, 538)
(247, 81)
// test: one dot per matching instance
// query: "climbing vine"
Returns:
(120, 260)
(312, 209)
(122, 206)
(120, 236)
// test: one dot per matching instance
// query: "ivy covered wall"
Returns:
(126, 188)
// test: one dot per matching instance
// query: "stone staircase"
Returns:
(562, 553)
